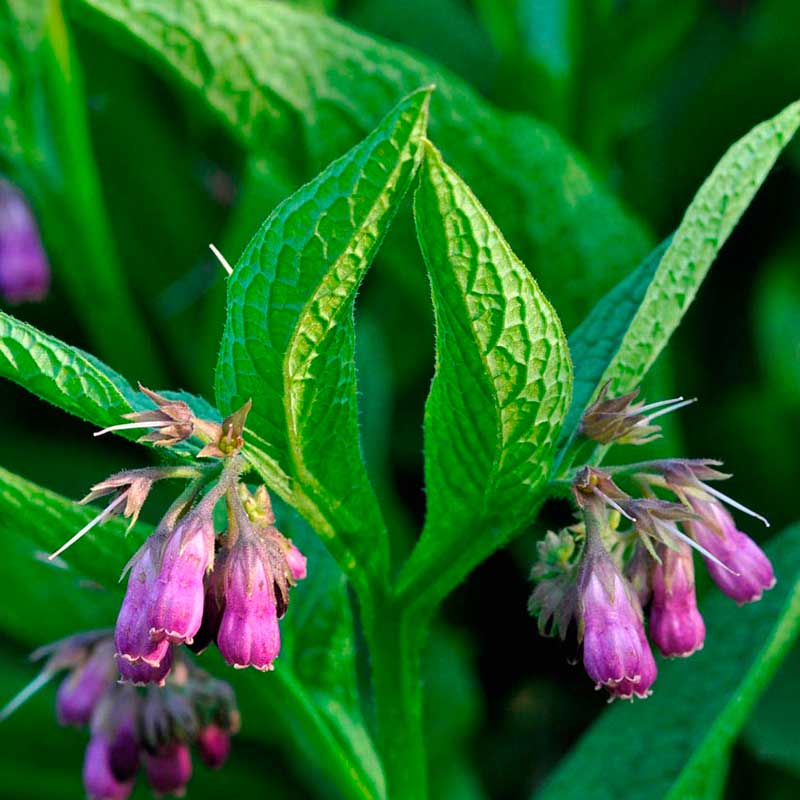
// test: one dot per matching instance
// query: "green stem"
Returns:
(395, 648)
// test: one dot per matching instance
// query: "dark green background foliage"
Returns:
(144, 129)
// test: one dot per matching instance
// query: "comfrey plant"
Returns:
(517, 414)
(629, 551)
(132, 729)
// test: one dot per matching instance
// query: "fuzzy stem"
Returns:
(395, 646)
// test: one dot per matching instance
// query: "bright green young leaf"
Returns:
(699, 706)
(624, 334)
(500, 392)
(278, 76)
(310, 696)
(289, 337)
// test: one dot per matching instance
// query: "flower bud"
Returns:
(82, 689)
(123, 751)
(214, 744)
(177, 609)
(297, 563)
(749, 572)
(676, 627)
(249, 635)
(615, 651)
(169, 769)
(213, 606)
(24, 271)
(98, 779)
(132, 633)
(140, 673)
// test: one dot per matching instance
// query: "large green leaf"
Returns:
(665, 746)
(289, 338)
(283, 79)
(631, 325)
(311, 694)
(45, 147)
(500, 392)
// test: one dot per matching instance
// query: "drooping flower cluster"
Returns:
(602, 573)
(132, 729)
(24, 270)
(189, 584)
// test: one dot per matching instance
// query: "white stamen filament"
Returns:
(731, 502)
(606, 499)
(678, 404)
(700, 549)
(37, 683)
(126, 426)
(221, 258)
(104, 514)
(658, 404)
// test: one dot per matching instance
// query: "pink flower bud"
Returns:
(297, 563)
(213, 606)
(177, 609)
(140, 673)
(132, 636)
(615, 650)
(676, 627)
(214, 745)
(249, 635)
(24, 271)
(749, 571)
(98, 779)
(81, 690)
(170, 769)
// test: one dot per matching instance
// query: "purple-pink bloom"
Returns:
(24, 271)
(249, 635)
(170, 769)
(297, 563)
(82, 689)
(676, 626)
(98, 779)
(140, 673)
(177, 609)
(123, 751)
(749, 571)
(214, 745)
(132, 632)
(615, 650)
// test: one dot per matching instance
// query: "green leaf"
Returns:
(289, 338)
(500, 392)
(627, 330)
(699, 705)
(281, 78)
(311, 694)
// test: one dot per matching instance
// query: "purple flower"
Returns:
(140, 673)
(24, 271)
(749, 571)
(676, 627)
(297, 563)
(170, 769)
(249, 635)
(214, 744)
(615, 651)
(132, 636)
(98, 779)
(80, 692)
(213, 607)
(123, 751)
(177, 609)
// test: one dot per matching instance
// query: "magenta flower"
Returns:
(123, 751)
(213, 607)
(249, 635)
(98, 779)
(214, 745)
(24, 271)
(80, 692)
(676, 627)
(749, 572)
(177, 609)
(170, 769)
(615, 651)
(297, 563)
(132, 636)
(140, 673)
